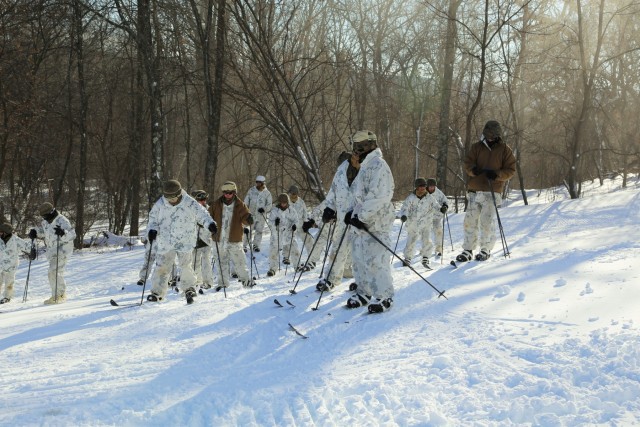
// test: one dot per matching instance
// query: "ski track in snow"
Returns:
(548, 336)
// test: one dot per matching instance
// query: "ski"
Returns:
(276, 302)
(290, 303)
(115, 304)
(300, 334)
(453, 263)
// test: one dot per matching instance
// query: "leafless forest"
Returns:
(101, 100)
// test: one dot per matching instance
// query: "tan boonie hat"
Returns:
(229, 186)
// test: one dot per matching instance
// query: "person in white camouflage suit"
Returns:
(172, 226)
(10, 248)
(438, 216)
(338, 203)
(300, 207)
(202, 251)
(58, 236)
(259, 202)
(232, 214)
(372, 215)
(417, 212)
(284, 222)
(490, 163)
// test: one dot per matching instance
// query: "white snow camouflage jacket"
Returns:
(10, 252)
(203, 233)
(441, 198)
(339, 197)
(372, 191)
(256, 199)
(301, 210)
(417, 210)
(176, 225)
(47, 231)
(288, 217)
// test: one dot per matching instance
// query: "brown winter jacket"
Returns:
(239, 218)
(499, 158)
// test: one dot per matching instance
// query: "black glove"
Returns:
(306, 226)
(33, 234)
(403, 218)
(328, 215)
(152, 235)
(293, 227)
(245, 231)
(213, 228)
(277, 222)
(261, 210)
(444, 208)
(476, 170)
(347, 217)
(250, 219)
(491, 174)
(58, 231)
(355, 221)
(32, 254)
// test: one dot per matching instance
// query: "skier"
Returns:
(58, 236)
(10, 247)
(231, 213)
(338, 203)
(417, 212)
(259, 201)
(489, 161)
(202, 251)
(319, 241)
(283, 220)
(372, 214)
(300, 207)
(171, 227)
(438, 216)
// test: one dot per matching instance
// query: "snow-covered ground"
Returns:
(548, 337)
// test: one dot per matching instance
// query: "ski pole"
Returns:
(246, 233)
(26, 285)
(505, 248)
(278, 236)
(449, 228)
(304, 241)
(293, 291)
(57, 258)
(398, 239)
(440, 293)
(146, 273)
(332, 228)
(442, 240)
(293, 231)
(344, 233)
(224, 288)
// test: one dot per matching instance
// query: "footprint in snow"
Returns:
(587, 289)
(560, 283)
(521, 297)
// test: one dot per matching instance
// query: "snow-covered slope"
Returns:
(548, 336)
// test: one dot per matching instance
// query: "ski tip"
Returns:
(290, 303)
(453, 263)
(113, 303)
(276, 302)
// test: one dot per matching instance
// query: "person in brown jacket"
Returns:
(490, 164)
(231, 214)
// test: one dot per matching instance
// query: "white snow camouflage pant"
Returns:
(162, 271)
(419, 232)
(340, 257)
(257, 228)
(480, 221)
(203, 267)
(371, 264)
(231, 253)
(7, 279)
(57, 264)
(438, 231)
